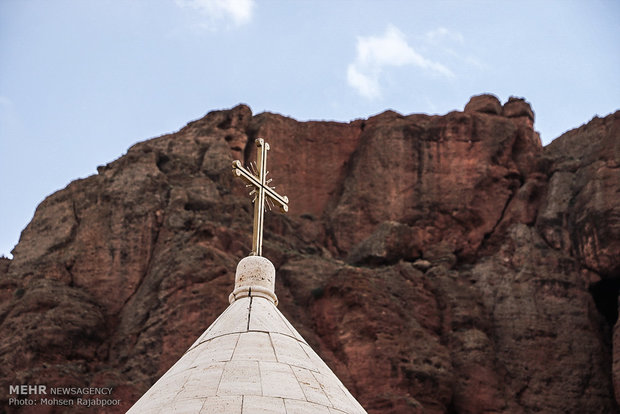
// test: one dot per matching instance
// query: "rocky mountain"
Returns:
(438, 264)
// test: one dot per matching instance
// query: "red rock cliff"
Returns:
(439, 264)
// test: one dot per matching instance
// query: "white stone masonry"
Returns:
(249, 361)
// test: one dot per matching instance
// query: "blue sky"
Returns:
(82, 80)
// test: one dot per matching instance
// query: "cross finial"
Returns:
(264, 195)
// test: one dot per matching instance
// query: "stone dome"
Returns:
(249, 360)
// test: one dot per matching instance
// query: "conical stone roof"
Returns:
(250, 360)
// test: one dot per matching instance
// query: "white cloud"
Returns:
(445, 41)
(366, 85)
(376, 53)
(475, 62)
(441, 33)
(238, 12)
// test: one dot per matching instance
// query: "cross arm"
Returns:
(281, 201)
(239, 171)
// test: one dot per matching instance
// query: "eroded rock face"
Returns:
(516, 108)
(486, 103)
(438, 264)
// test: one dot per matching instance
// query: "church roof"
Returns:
(250, 360)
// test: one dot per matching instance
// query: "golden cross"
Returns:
(262, 192)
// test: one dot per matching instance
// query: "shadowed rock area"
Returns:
(438, 264)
